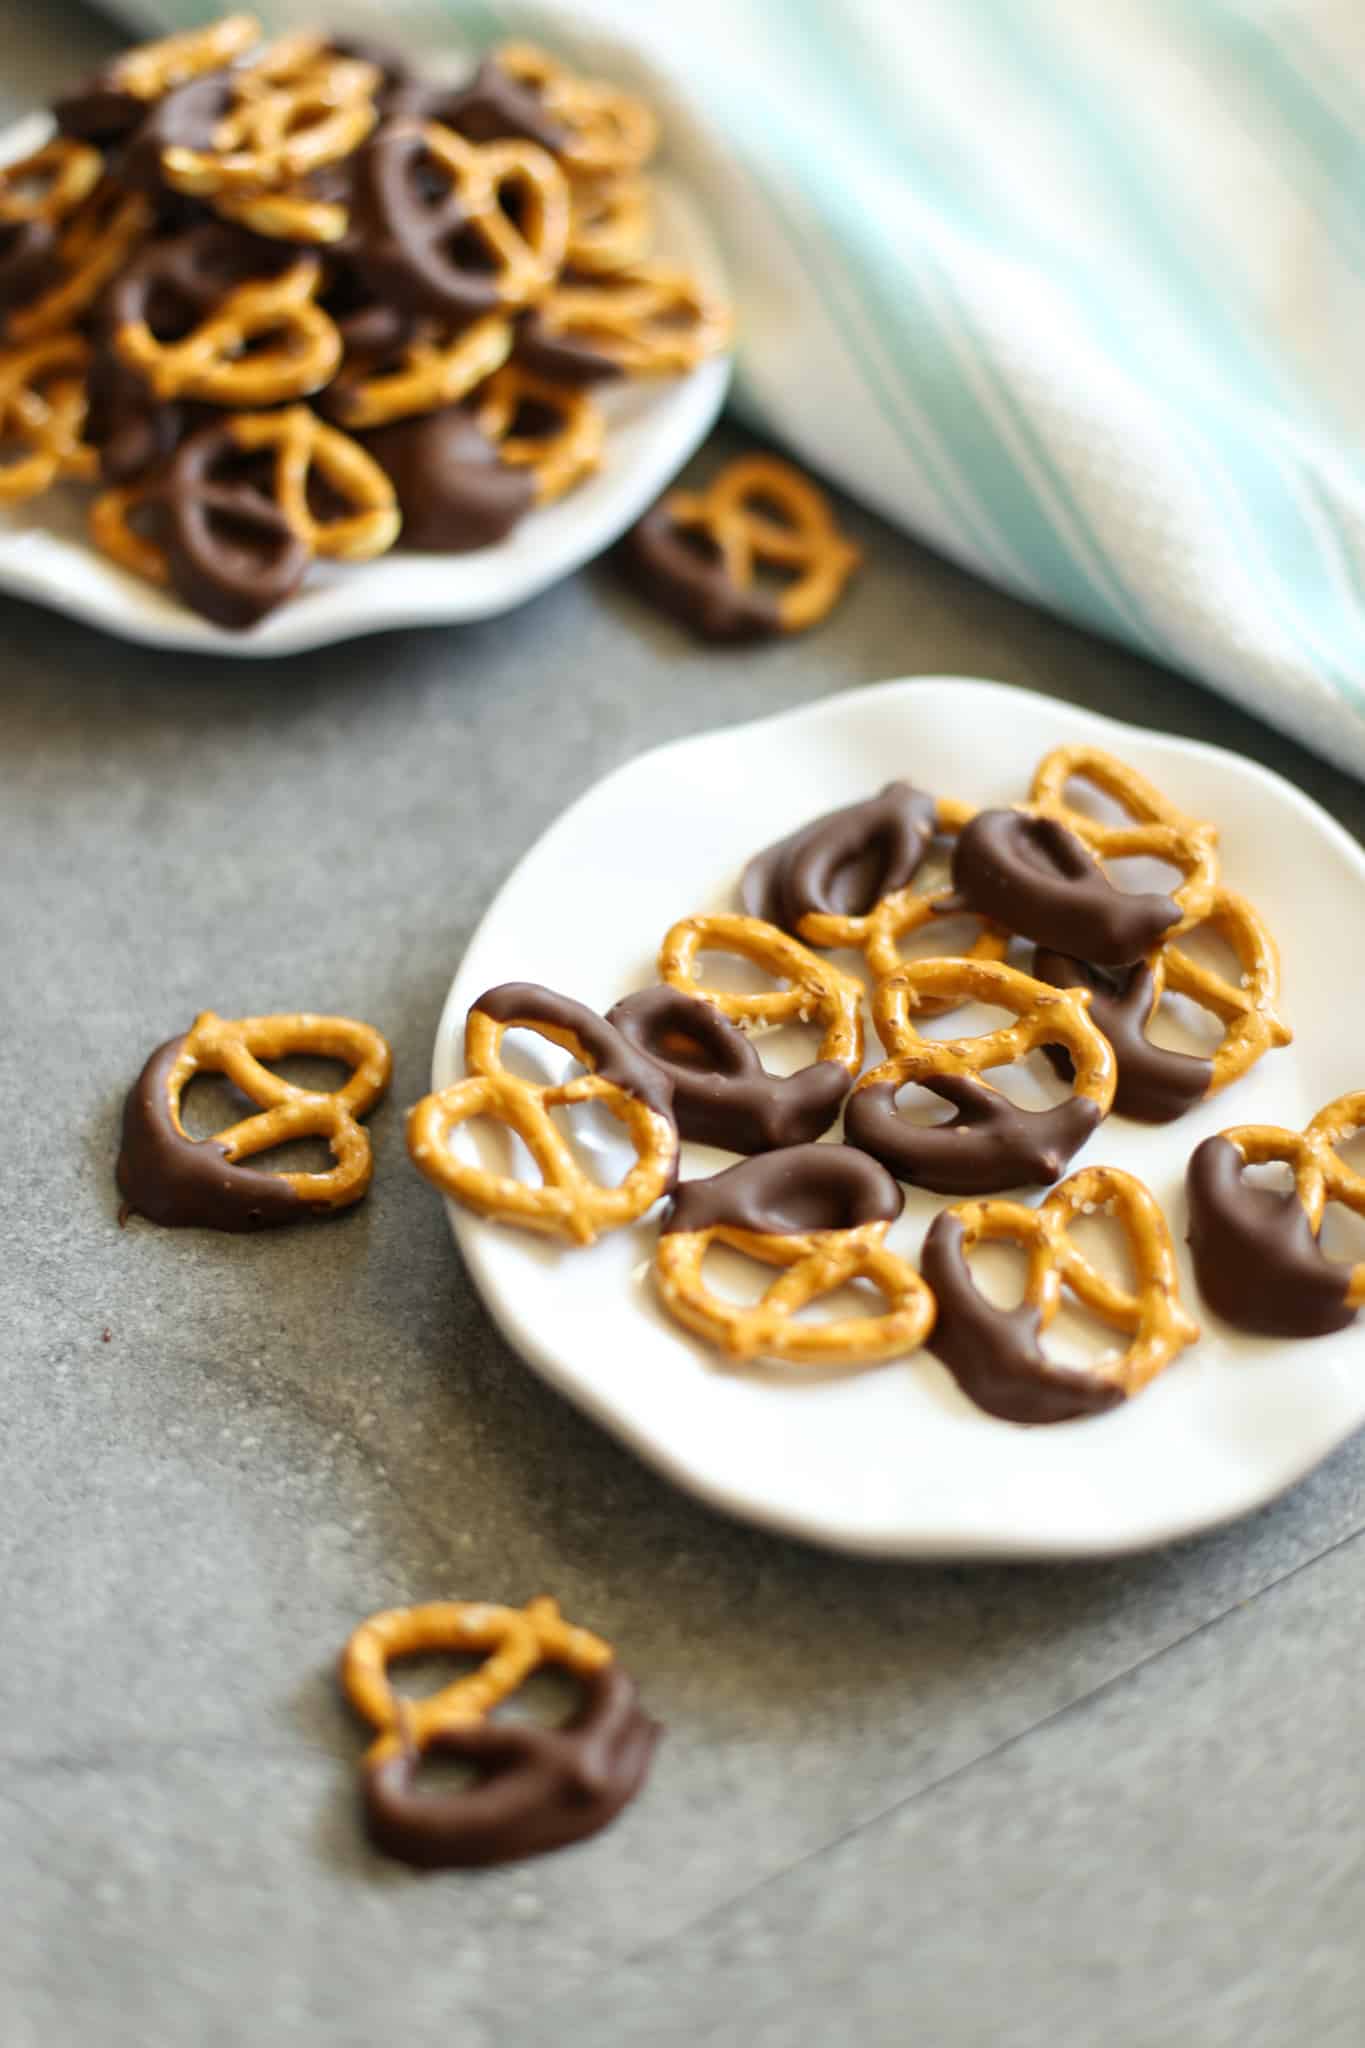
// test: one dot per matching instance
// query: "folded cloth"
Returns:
(1073, 291)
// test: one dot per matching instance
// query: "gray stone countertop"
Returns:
(1118, 1802)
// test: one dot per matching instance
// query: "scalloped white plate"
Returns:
(895, 1461)
(653, 427)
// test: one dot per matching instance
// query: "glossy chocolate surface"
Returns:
(788, 1193)
(542, 1788)
(989, 1145)
(1155, 1084)
(612, 1056)
(187, 1182)
(843, 863)
(453, 491)
(1036, 878)
(1256, 1259)
(680, 570)
(410, 237)
(995, 1354)
(722, 1094)
(183, 119)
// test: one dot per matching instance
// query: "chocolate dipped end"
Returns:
(613, 1056)
(561, 358)
(789, 1194)
(843, 863)
(1155, 1084)
(1038, 879)
(991, 1143)
(680, 570)
(993, 1353)
(543, 1788)
(1256, 1259)
(453, 491)
(722, 1093)
(188, 1183)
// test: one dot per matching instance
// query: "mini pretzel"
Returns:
(646, 322)
(111, 521)
(51, 183)
(292, 215)
(429, 372)
(994, 1354)
(608, 132)
(991, 1143)
(43, 407)
(559, 457)
(548, 1786)
(817, 992)
(1256, 1251)
(1158, 831)
(610, 225)
(820, 1212)
(174, 1179)
(154, 69)
(305, 446)
(568, 1203)
(215, 361)
(96, 241)
(295, 109)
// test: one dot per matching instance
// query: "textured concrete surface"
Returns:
(1115, 1802)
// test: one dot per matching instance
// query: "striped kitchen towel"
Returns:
(1072, 289)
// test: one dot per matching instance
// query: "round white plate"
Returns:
(653, 426)
(894, 1460)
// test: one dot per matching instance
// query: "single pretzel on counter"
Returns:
(995, 1355)
(816, 991)
(569, 1203)
(215, 360)
(549, 429)
(178, 1180)
(697, 553)
(606, 133)
(95, 240)
(432, 370)
(848, 878)
(293, 110)
(541, 1787)
(42, 413)
(1155, 1083)
(50, 183)
(821, 1213)
(991, 1143)
(642, 322)
(1256, 1252)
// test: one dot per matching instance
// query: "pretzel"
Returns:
(433, 370)
(50, 183)
(154, 69)
(610, 224)
(817, 991)
(1256, 1251)
(645, 321)
(214, 361)
(293, 110)
(96, 241)
(304, 446)
(42, 408)
(292, 215)
(174, 1179)
(609, 132)
(548, 1786)
(991, 1143)
(831, 1235)
(111, 526)
(994, 1353)
(558, 458)
(568, 1203)
(1158, 830)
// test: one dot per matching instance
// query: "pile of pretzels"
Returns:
(287, 300)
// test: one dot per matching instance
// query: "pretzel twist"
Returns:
(1158, 830)
(797, 534)
(610, 225)
(43, 408)
(649, 322)
(1320, 1174)
(569, 1202)
(291, 215)
(609, 132)
(97, 239)
(296, 108)
(429, 372)
(1152, 1317)
(1043, 1016)
(214, 361)
(525, 253)
(817, 990)
(154, 69)
(50, 183)
(305, 446)
(559, 457)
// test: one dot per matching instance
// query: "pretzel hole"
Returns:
(534, 420)
(1351, 1151)
(423, 1672)
(1030, 1083)
(533, 1058)
(1077, 1337)
(495, 1147)
(999, 1272)
(855, 1299)
(467, 250)
(211, 1103)
(1087, 798)
(547, 1698)
(968, 1020)
(1104, 1243)
(733, 1277)
(918, 1106)
(1343, 1233)
(1139, 874)
(1273, 1176)
(597, 1140)
(697, 540)
(170, 313)
(440, 1774)
(1207, 947)
(1180, 1024)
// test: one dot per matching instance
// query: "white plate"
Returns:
(653, 426)
(895, 1460)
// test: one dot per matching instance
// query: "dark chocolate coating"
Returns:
(489, 107)
(990, 1144)
(409, 245)
(1256, 1259)
(994, 1353)
(544, 1788)
(395, 72)
(133, 431)
(183, 119)
(232, 553)
(612, 1055)
(28, 262)
(680, 571)
(190, 1182)
(843, 863)
(1155, 1085)
(1036, 878)
(788, 1193)
(173, 283)
(725, 1096)
(453, 490)
(98, 110)
(561, 357)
